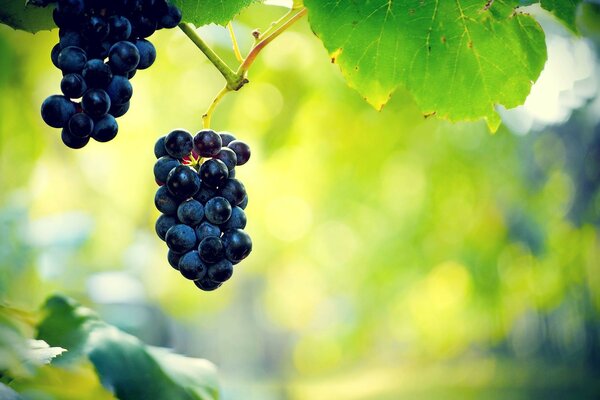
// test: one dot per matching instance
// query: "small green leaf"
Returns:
(204, 12)
(126, 366)
(458, 58)
(20, 14)
(564, 10)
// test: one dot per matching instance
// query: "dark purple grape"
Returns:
(81, 125)
(242, 151)
(183, 182)
(207, 143)
(237, 245)
(213, 172)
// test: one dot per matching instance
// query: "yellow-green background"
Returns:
(394, 256)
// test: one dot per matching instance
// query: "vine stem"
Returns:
(208, 114)
(237, 79)
(229, 75)
(263, 40)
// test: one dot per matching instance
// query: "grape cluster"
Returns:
(102, 45)
(202, 204)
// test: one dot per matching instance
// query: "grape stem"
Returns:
(236, 48)
(208, 114)
(237, 79)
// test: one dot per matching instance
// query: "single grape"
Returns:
(207, 143)
(173, 259)
(96, 28)
(205, 193)
(220, 271)
(54, 54)
(57, 110)
(172, 18)
(233, 190)
(181, 238)
(143, 26)
(217, 210)
(72, 59)
(71, 38)
(190, 212)
(191, 266)
(118, 110)
(242, 151)
(73, 86)
(95, 103)
(165, 202)
(81, 125)
(206, 229)
(147, 53)
(226, 138)
(72, 141)
(105, 129)
(97, 74)
(244, 203)
(210, 249)
(213, 172)
(236, 221)
(163, 166)
(237, 245)
(119, 90)
(179, 143)
(123, 57)
(207, 284)
(183, 182)
(163, 224)
(228, 157)
(159, 148)
(120, 28)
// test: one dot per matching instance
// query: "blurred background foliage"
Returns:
(395, 256)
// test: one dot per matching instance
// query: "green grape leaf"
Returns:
(131, 369)
(458, 58)
(203, 12)
(21, 14)
(564, 10)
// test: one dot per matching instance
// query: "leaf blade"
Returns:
(124, 364)
(564, 10)
(24, 16)
(431, 47)
(204, 12)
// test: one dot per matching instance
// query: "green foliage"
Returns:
(564, 10)
(203, 12)
(124, 364)
(21, 15)
(13, 345)
(7, 393)
(55, 383)
(458, 59)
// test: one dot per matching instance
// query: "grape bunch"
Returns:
(202, 204)
(102, 45)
